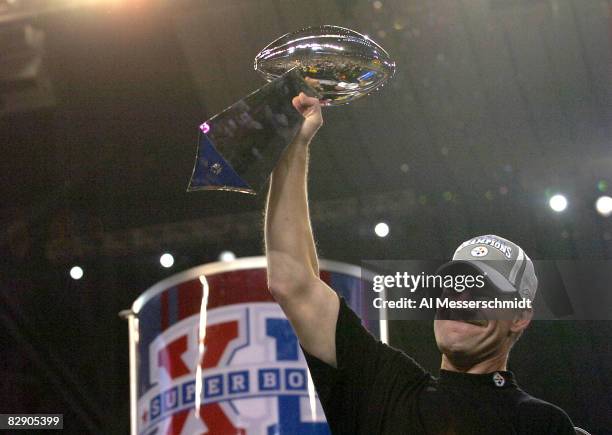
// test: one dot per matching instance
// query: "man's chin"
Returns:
(458, 338)
(455, 349)
(462, 360)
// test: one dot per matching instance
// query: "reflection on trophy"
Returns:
(239, 147)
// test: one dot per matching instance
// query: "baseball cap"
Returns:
(507, 267)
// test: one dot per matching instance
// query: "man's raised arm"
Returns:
(293, 268)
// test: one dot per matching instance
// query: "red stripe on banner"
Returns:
(217, 339)
(238, 286)
(217, 422)
(171, 357)
(189, 298)
(326, 277)
(163, 315)
(177, 421)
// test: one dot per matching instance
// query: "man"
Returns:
(367, 387)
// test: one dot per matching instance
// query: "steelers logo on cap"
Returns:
(479, 251)
(498, 379)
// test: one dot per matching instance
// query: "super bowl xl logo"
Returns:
(254, 377)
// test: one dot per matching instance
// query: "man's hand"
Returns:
(310, 108)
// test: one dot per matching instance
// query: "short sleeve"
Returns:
(368, 370)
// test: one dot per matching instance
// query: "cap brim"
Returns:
(491, 274)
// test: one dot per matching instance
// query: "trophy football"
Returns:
(238, 148)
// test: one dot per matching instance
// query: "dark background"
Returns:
(495, 106)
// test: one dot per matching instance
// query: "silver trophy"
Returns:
(239, 147)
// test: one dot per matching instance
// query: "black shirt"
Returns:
(377, 389)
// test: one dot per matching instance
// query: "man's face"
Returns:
(468, 343)
(469, 336)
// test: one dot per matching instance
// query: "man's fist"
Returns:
(310, 108)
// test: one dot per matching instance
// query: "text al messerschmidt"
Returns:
(494, 304)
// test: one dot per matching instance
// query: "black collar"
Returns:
(495, 380)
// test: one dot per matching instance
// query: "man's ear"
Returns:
(522, 320)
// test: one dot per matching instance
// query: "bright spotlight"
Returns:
(76, 273)
(166, 260)
(381, 229)
(227, 256)
(558, 203)
(603, 205)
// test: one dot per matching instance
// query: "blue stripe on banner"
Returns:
(286, 340)
(150, 327)
(289, 414)
(172, 305)
(348, 287)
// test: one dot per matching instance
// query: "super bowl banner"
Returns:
(254, 378)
